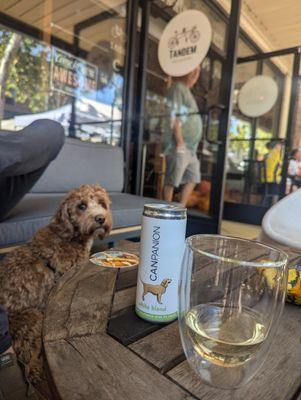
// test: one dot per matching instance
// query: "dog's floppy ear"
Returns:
(103, 193)
(63, 221)
(66, 218)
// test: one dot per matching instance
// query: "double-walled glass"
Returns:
(231, 295)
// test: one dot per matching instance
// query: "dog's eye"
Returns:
(82, 206)
(102, 204)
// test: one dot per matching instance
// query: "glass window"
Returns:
(168, 96)
(219, 27)
(79, 79)
(244, 72)
(249, 137)
(244, 49)
(240, 134)
(268, 124)
(297, 120)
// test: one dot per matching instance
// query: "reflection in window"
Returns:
(240, 133)
(243, 49)
(268, 124)
(37, 84)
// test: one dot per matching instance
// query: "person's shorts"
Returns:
(182, 167)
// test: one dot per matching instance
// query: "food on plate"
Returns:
(115, 259)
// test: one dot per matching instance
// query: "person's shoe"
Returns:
(12, 383)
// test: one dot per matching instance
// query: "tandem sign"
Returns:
(72, 75)
(184, 43)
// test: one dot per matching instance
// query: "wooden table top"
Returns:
(97, 348)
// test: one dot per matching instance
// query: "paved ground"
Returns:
(238, 229)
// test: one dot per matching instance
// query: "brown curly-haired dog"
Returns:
(28, 273)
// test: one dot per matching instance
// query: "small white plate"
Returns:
(115, 259)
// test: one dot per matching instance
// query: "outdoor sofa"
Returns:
(77, 163)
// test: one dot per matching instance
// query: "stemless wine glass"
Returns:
(231, 295)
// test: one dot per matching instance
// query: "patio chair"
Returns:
(282, 223)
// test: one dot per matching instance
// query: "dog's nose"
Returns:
(100, 219)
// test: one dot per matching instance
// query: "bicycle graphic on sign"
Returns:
(188, 35)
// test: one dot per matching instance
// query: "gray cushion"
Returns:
(35, 210)
(127, 208)
(80, 162)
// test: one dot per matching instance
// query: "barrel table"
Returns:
(97, 348)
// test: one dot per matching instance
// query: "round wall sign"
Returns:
(184, 42)
(257, 96)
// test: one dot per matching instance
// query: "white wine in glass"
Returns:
(228, 311)
(227, 342)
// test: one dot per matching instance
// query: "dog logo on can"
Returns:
(156, 290)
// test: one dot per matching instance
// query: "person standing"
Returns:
(294, 169)
(183, 132)
(294, 163)
(272, 171)
(273, 165)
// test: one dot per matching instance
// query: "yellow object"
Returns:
(273, 166)
(293, 293)
(294, 286)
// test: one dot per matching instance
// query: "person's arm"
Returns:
(292, 167)
(177, 102)
(177, 132)
(278, 167)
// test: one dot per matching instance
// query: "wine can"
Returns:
(161, 252)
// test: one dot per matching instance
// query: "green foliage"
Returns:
(240, 133)
(28, 75)
(260, 145)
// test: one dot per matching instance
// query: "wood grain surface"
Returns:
(126, 279)
(80, 304)
(124, 299)
(97, 367)
(163, 348)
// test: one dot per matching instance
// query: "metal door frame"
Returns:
(213, 222)
(251, 213)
